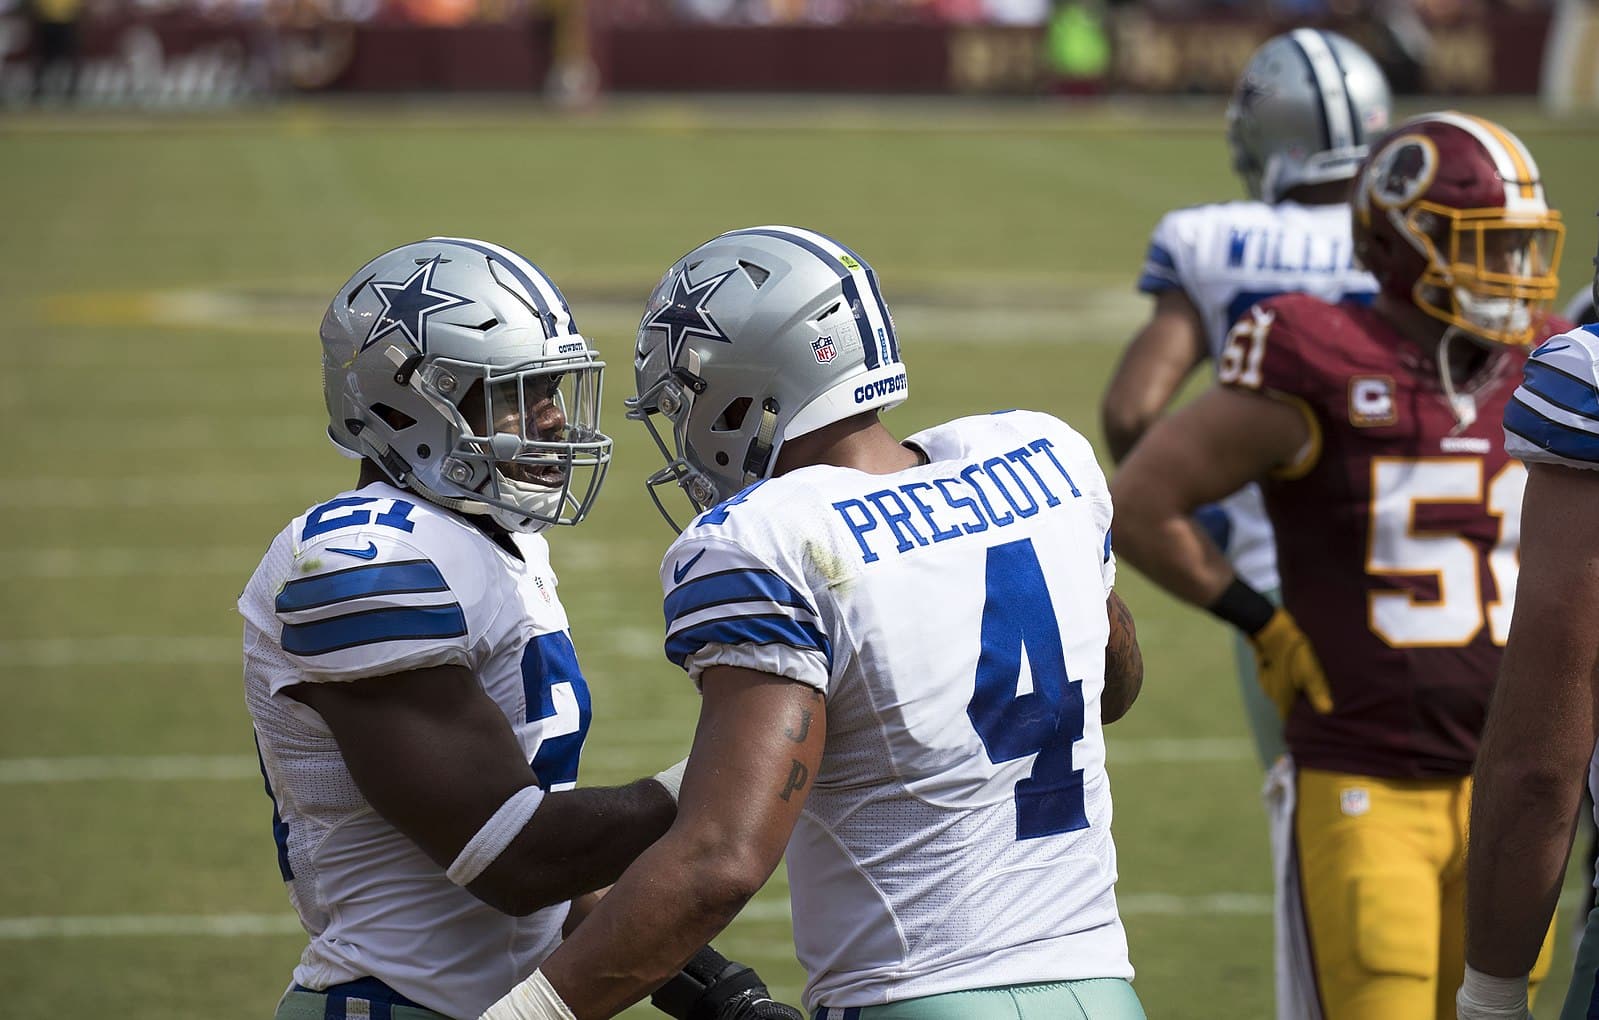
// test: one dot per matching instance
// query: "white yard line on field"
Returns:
(182, 767)
(66, 562)
(128, 650)
(1235, 904)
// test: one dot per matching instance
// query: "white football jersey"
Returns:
(1553, 418)
(1226, 257)
(958, 834)
(372, 583)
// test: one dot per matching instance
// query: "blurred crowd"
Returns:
(755, 12)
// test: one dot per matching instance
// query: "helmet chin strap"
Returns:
(1462, 405)
(757, 461)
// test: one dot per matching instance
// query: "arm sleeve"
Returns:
(1553, 417)
(731, 604)
(344, 620)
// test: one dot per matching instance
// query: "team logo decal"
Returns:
(824, 350)
(1401, 172)
(1371, 401)
(406, 306)
(682, 313)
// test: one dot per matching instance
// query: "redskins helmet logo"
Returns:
(1402, 171)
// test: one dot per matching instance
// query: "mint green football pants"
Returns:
(1090, 999)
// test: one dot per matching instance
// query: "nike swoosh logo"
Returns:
(369, 553)
(680, 570)
(1546, 349)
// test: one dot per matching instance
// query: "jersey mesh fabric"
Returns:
(907, 871)
(373, 904)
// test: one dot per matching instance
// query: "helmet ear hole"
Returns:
(393, 417)
(732, 417)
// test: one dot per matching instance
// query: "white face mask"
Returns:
(1498, 314)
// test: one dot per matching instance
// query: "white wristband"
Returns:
(489, 842)
(672, 778)
(533, 999)
(1484, 996)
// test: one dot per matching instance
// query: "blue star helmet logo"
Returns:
(684, 313)
(1250, 92)
(406, 306)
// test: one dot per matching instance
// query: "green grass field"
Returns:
(163, 280)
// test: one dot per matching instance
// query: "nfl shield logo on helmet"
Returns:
(824, 350)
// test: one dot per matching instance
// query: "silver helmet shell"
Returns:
(455, 365)
(752, 339)
(1304, 111)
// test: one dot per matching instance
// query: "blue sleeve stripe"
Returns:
(747, 630)
(1547, 434)
(1107, 545)
(400, 578)
(1562, 389)
(1157, 255)
(406, 623)
(728, 586)
(1154, 282)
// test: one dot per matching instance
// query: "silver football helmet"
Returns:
(1303, 112)
(749, 340)
(455, 366)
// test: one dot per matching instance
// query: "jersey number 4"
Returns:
(1019, 619)
(1398, 486)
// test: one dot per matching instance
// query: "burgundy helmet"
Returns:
(1449, 214)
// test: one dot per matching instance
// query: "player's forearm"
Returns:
(577, 841)
(1527, 789)
(1521, 832)
(672, 902)
(1166, 546)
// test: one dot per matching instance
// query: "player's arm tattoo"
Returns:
(804, 727)
(797, 730)
(1124, 662)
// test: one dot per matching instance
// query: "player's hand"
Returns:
(1286, 665)
(712, 987)
(758, 1008)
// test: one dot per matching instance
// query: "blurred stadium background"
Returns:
(184, 181)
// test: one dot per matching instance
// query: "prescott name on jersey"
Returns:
(954, 615)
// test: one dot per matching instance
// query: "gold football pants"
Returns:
(1382, 878)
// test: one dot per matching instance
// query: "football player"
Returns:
(1304, 109)
(906, 652)
(417, 702)
(1544, 720)
(1374, 433)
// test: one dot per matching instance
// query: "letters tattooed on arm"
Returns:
(797, 730)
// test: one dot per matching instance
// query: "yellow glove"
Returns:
(1286, 665)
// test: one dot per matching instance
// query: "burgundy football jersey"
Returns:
(1396, 532)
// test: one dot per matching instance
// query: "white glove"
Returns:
(533, 999)
(1484, 997)
(672, 778)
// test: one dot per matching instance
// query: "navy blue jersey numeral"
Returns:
(718, 513)
(325, 517)
(549, 662)
(1017, 615)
